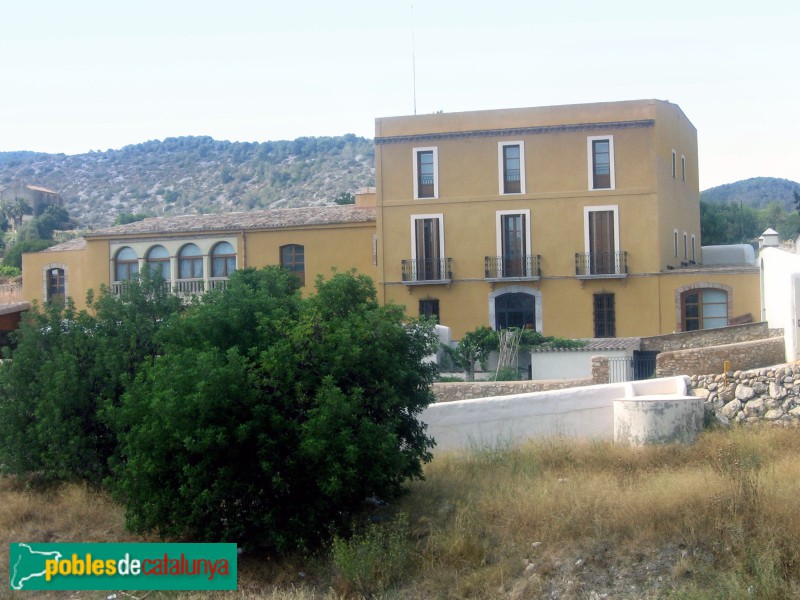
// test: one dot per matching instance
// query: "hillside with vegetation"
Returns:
(757, 192)
(187, 175)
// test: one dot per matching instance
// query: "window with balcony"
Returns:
(157, 260)
(426, 173)
(704, 308)
(190, 270)
(428, 262)
(603, 256)
(511, 156)
(223, 260)
(604, 316)
(514, 259)
(601, 162)
(293, 258)
(126, 264)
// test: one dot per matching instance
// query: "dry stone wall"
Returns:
(744, 355)
(709, 337)
(769, 394)
(449, 391)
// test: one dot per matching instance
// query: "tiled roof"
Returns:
(598, 345)
(76, 244)
(276, 218)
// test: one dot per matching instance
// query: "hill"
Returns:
(756, 192)
(197, 174)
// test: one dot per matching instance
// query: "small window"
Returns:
(223, 260)
(674, 166)
(426, 173)
(694, 250)
(685, 246)
(675, 241)
(158, 262)
(601, 163)
(293, 259)
(604, 318)
(190, 262)
(512, 167)
(126, 264)
(429, 308)
(683, 168)
(56, 286)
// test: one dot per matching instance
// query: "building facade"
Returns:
(578, 221)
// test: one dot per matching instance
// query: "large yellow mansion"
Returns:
(580, 221)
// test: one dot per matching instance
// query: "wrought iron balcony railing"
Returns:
(427, 270)
(601, 264)
(516, 267)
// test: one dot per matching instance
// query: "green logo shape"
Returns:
(94, 566)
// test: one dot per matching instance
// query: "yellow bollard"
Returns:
(726, 366)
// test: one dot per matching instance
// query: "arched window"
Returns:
(293, 259)
(223, 260)
(704, 308)
(515, 310)
(126, 264)
(158, 262)
(190, 262)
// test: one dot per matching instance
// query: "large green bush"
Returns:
(269, 418)
(67, 366)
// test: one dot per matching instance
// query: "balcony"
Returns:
(601, 265)
(423, 271)
(519, 268)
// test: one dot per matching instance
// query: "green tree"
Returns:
(474, 346)
(68, 367)
(345, 198)
(13, 257)
(283, 413)
(126, 217)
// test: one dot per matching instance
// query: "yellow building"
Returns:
(580, 221)
(197, 253)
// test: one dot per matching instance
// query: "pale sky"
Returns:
(86, 75)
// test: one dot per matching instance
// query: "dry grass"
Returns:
(718, 519)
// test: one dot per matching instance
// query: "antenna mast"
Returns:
(413, 59)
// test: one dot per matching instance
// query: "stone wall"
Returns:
(769, 394)
(458, 390)
(743, 355)
(709, 337)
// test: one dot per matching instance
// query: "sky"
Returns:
(97, 75)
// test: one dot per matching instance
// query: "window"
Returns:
(683, 168)
(190, 262)
(674, 166)
(694, 251)
(429, 308)
(158, 262)
(513, 237)
(604, 322)
(511, 156)
(675, 241)
(56, 285)
(126, 264)
(602, 240)
(685, 246)
(601, 163)
(426, 173)
(293, 259)
(427, 248)
(515, 310)
(704, 308)
(223, 260)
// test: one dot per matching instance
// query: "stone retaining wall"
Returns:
(744, 355)
(709, 337)
(449, 391)
(769, 394)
